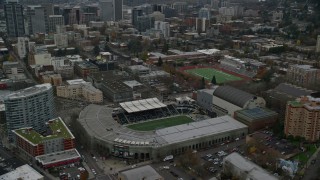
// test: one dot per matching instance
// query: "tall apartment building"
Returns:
(303, 75)
(14, 18)
(37, 19)
(53, 21)
(111, 10)
(30, 107)
(303, 118)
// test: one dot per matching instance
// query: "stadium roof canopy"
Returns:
(142, 105)
(233, 95)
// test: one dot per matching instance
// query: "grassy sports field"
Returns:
(160, 123)
(208, 73)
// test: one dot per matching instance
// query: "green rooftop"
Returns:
(295, 103)
(59, 130)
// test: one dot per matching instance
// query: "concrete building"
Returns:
(180, 7)
(256, 118)
(80, 90)
(53, 79)
(66, 72)
(303, 75)
(202, 24)
(240, 167)
(204, 13)
(139, 70)
(30, 107)
(144, 172)
(83, 69)
(53, 21)
(139, 145)
(37, 19)
(158, 16)
(61, 40)
(278, 97)
(164, 27)
(116, 90)
(23, 172)
(42, 58)
(204, 99)
(21, 47)
(14, 18)
(227, 100)
(111, 10)
(303, 118)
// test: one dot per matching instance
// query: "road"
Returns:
(24, 66)
(91, 162)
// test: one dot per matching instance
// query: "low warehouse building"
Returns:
(243, 169)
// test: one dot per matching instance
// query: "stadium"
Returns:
(148, 129)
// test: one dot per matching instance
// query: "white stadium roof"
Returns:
(142, 105)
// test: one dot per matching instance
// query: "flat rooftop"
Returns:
(198, 129)
(256, 113)
(58, 156)
(76, 81)
(132, 83)
(58, 129)
(254, 171)
(116, 85)
(29, 91)
(22, 172)
(86, 65)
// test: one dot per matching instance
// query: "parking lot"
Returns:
(270, 141)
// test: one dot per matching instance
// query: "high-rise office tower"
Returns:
(30, 107)
(37, 19)
(135, 14)
(14, 18)
(55, 20)
(111, 10)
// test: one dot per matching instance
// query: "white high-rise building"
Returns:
(21, 47)
(164, 27)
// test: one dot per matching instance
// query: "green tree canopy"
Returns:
(214, 81)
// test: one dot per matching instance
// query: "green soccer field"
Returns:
(160, 123)
(208, 73)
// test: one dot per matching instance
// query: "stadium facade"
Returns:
(100, 131)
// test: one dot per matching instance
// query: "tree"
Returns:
(165, 47)
(203, 83)
(96, 50)
(135, 46)
(214, 81)
(160, 62)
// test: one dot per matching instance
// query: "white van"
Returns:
(167, 158)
